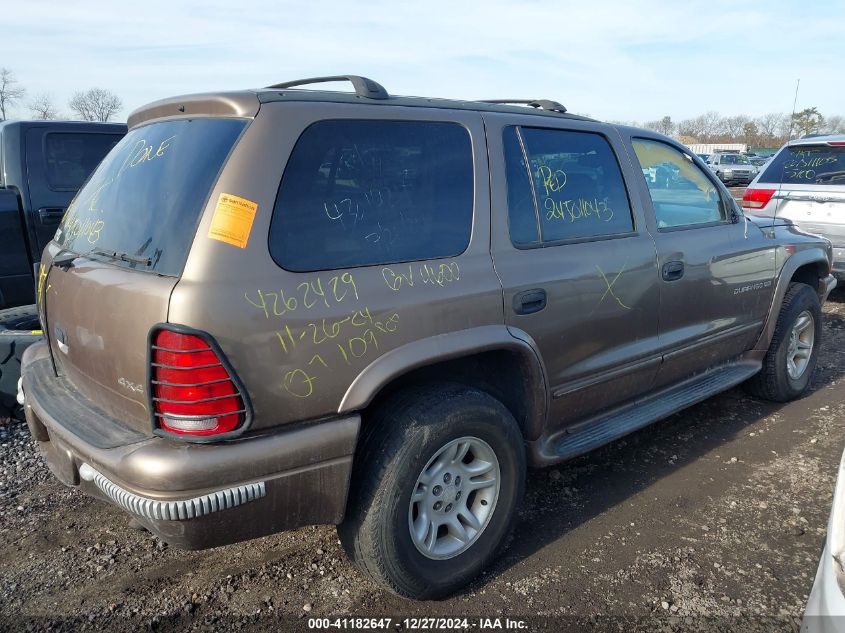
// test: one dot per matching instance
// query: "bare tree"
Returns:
(42, 107)
(770, 125)
(664, 125)
(690, 128)
(95, 104)
(834, 124)
(10, 92)
(767, 130)
(734, 126)
(711, 124)
(704, 127)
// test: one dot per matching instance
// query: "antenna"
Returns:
(783, 168)
(794, 104)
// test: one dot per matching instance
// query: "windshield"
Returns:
(144, 200)
(734, 159)
(806, 165)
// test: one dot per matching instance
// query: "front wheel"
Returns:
(789, 363)
(438, 477)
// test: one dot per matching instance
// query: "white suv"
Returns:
(805, 182)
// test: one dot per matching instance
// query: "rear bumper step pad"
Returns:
(174, 510)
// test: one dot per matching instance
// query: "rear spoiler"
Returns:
(816, 142)
(221, 104)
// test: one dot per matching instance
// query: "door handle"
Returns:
(529, 301)
(50, 216)
(673, 271)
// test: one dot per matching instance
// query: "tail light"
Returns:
(757, 198)
(194, 390)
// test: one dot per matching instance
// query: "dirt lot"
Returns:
(710, 520)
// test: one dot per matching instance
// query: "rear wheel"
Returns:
(437, 480)
(793, 352)
(19, 328)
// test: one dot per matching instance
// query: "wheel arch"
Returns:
(502, 361)
(808, 266)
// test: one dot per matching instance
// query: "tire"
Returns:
(399, 442)
(19, 328)
(776, 381)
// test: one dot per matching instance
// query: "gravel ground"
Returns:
(710, 520)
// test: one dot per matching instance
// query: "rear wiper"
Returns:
(831, 175)
(124, 257)
(64, 259)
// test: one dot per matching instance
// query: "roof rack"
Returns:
(543, 104)
(363, 87)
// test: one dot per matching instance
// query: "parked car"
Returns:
(759, 161)
(42, 165)
(703, 157)
(825, 612)
(805, 182)
(281, 307)
(732, 169)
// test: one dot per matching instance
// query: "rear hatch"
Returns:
(119, 253)
(808, 179)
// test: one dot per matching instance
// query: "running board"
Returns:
(606, 428)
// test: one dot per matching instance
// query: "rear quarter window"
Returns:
(71, 157)
(807, 165)
(365, 192)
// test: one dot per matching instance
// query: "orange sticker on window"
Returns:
(232, 220)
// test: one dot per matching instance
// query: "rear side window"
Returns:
(144, 200)
(807, 165)
(577, 187)
(71, 157)
(361, 192)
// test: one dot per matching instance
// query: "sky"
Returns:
(623, 60)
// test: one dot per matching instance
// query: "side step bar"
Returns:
(611, 426)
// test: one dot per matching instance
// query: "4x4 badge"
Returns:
(130, 385)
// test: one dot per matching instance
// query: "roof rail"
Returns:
(543, 104)
(363, 87)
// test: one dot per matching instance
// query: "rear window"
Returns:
(807, 165)
(144, 200)
(360, 193)
(71, 157)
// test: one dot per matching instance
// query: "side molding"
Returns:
(444, 347)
